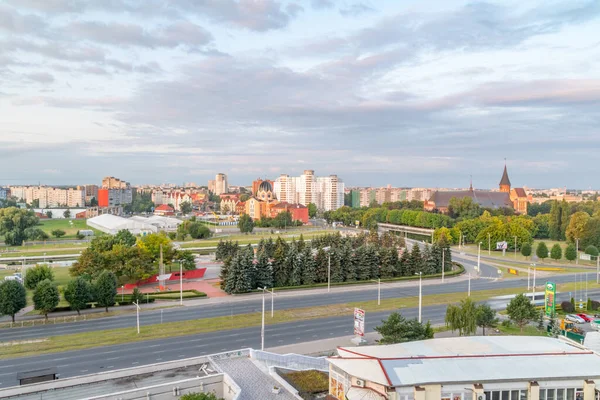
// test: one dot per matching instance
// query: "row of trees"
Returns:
(128, 257)
(46, 295)
(280, 221)
(362, 258)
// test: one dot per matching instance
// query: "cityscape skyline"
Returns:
(376, 92)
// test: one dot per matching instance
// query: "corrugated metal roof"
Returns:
(468, 359)
(484, 198)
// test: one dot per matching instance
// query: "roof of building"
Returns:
(484, 198)
(164, 207)
(109, 223)
(158, 221)
(266, 186)
(505, 180)
(469, 359)
(520, 192)
(285, 205)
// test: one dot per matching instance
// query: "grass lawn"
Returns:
(510, 255)
(252, 239)
(70, 226)
(125, 335)
(61, 278)
(513, 330)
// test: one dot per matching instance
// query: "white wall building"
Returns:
(112, 224)
(467, 368)
(326, 192)
(50, 197)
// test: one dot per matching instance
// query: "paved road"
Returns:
(81, 362)
(286, 300)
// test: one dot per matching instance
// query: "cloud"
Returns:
(355, 10)
(41, 77)
(15, 22)
(322, 4)
(129, 34)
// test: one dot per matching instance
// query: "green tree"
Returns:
(12, 298)
(463, 208)
(555, 222)
(37, 274)
(46, 297)
(542, 250)
(185, 207)
(576, 227)
(486, 317)
(200, 396)
(13, 223)
(462, 317)
(105, 289)
(245, 223)
(198, 230)
(556, 252)
(526, 250)
(397, 329)
(571, 252)
(78, 293)
(591, 250)
(49, 214)
(58, 233)
(35, 234)
(264, 271)
(137, 296)
(187, 259)
(521, 311)
(93, 202)
(283, 220)
(125, 238)
(240, 277)
(67, 213)
(312, 210)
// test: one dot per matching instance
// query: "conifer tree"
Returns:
(321, 260)
(432, 262)
(373, 261)
(403, 265)
(337, 269)
(309, 269)
(280, 273)
(264, 271)
(347, 259)
(388, 257)
(363, 269)
(294, 266)
(416, 263)
(270, 247)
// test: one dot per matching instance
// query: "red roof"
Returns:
(286, 205)
(164, 207)
(520, 192)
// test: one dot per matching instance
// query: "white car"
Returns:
(575, 318)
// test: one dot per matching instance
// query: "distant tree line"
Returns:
(360, 258)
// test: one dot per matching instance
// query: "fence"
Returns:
(39, 321)
(290, 361)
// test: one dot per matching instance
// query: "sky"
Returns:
(409, 93)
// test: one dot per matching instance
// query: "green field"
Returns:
(253, 239)
(510, 255)
(70, 226)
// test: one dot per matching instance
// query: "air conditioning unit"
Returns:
(481, 396)
(361, 383)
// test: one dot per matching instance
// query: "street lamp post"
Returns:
(489, 244)
(533, 285)
(327, 249)
(528, 273)
(469, 289)
(122, 293)
(443, 263)
(420, 293)
(262, 329)
(478, 256)
(137, 316)
(180, 282)
(515, 247)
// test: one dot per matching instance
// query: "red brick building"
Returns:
(164, 210)
(298, 211)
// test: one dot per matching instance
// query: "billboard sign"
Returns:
(586, 257)
(550, 301)
(359, 322)
(501, 245)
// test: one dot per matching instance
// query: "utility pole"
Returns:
(515, 247)
(443, 263)
(420, 294)
(137, 316)
(262, 329)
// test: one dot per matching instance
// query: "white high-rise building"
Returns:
(50, 196)
(326, 192)
(221, 184)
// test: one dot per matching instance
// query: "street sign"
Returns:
(550, 301)
(359, 322)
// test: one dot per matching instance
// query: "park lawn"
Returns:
(513, 330)
(70, 226)
(61, 278)
(551, 270)
(41, 253)
(253, 239)
(472, 250)
(127, 335)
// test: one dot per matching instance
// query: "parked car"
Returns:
(585, 317)
(575, 318)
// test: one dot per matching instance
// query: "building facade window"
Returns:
(506, 395)
(561, 394)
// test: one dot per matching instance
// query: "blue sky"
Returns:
(410, 93)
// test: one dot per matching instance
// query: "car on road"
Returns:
(585, 317)
(575, 318)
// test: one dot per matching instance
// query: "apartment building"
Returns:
(49, 197)
(219, 185)
(327, 193)
(110, 182)
(91, 192)
(114, 192)
(4, 192)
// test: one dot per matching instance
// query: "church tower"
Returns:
(505, 182)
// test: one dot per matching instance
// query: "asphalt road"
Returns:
(287, 300)
(82, 362)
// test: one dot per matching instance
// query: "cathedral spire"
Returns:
(471, 184)
(505, 182)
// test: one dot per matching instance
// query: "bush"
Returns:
(591, 250)
(308, 382)
(526, 249)
(567, 306)
(200, 396)
(506, 323)
(595, 305)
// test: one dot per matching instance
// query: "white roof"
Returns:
(158, 221)
(111, 224)
(469, 359)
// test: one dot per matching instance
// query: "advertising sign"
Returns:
(550, 301)
(586, 257)
(513, 271)
(359, 322)
(501, 245)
